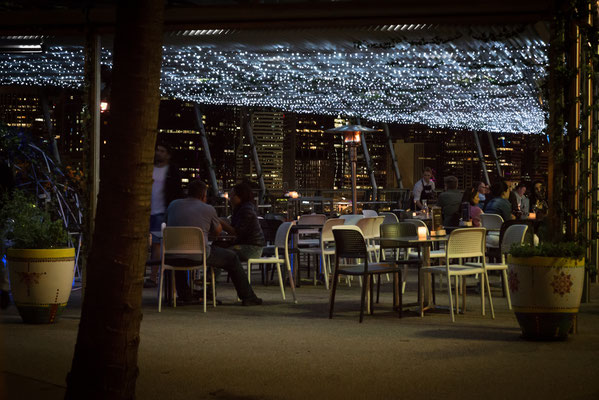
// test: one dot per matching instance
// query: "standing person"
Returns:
(194, 211)
(424, 189)
(520, 203)
(499, 203)
(538, 201)
(450, 201)
(472, 197)
(249, 238)
(166, 187)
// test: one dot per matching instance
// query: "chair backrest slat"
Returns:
(491, 221)
(349, 242)
(183, 240)
(351, 219)
(365, 225)
(513, 234)
(417, 223)
(466, 243)
(312, 219)
(282, 235)
(390, 218)
(369, 213)
(327, 229)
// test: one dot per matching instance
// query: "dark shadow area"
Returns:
(496, 334)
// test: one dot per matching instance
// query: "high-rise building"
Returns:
(21, 108)
(223, 125)
(178, 128)
(268, 129)
(314, 166)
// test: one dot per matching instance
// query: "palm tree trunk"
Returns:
(105, 360)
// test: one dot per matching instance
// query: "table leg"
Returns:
(427, 290)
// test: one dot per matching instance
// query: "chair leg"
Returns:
(457, 292)
(450, 298)
(325, 270)
(160, 284)
(290, 274)
(205, 289)
(213, 288)
(420, 292)
(174, 289)
(281, 283)
(363, 298)
(506, 289)
(485, 277)
(378, 290)
(249, 272)
(334, 289)
(371, 294)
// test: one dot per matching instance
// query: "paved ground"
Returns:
(293, 351)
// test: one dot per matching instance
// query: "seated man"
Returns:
(450, 201)
(193, 211)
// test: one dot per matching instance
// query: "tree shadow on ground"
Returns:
(469, 332)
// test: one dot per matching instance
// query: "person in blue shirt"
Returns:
(499, 203)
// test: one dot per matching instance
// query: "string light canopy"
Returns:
(475, 78)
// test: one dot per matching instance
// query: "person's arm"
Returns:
(227, 227)
(215, 224)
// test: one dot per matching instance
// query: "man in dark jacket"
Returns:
(166, 187)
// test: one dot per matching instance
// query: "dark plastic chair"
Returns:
(350, 244)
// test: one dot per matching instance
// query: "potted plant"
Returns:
(40, 263)
(545, 284)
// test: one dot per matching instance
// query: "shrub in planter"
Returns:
(545, 284)
(40, 263)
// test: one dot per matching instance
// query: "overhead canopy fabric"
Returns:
(476, 78)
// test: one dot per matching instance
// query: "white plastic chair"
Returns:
(492, 222)
(326, 249)
(463, 243)
(309, 219)
(513, 234)
(185, 241)
(390, 218)
(281, 242)
(369, 213)
(351, 219)
(366, 226)
(376, 235)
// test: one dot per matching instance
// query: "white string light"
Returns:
(487, 85)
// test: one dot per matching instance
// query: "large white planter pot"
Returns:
(545, 293)
(40, 282)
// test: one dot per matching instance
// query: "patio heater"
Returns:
(352, 137)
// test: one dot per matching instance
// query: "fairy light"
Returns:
(485, 85)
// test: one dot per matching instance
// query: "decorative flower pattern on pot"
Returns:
(30, 278)
(562, 283)
(513, 281)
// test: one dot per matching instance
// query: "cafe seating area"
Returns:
(314, 251)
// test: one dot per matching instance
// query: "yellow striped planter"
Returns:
(40, 282)
(545, 293)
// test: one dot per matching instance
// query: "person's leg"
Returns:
(247, 251)
(228, 260)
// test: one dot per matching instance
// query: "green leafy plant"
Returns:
(24, 225)
(548, 249)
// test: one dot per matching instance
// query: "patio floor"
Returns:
(283, 350)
